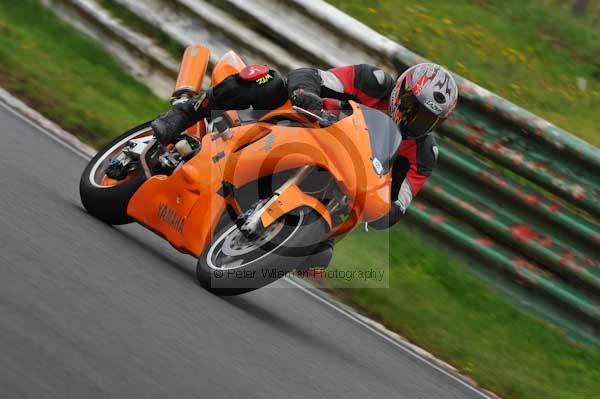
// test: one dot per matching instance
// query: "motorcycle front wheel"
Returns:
(105, 198)
(234, 264)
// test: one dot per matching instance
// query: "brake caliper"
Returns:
(118, 167)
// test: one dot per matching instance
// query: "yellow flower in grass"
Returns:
(447, 21)
(479, 52)
(437, 30)
(460, 67)
(424, 18)
(513, 55)
(372, 10)
(566, 94)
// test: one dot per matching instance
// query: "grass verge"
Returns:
(67, 77)
(533, 52)
(431, 300)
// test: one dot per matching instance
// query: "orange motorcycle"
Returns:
(251, 193)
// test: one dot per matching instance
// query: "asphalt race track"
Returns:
(92, 311)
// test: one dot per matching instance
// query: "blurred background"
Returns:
(541, 54)
(496, 268)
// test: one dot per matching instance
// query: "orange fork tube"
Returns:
(192, 70)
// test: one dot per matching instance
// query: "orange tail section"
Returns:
(228, 65)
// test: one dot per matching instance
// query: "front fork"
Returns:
(251, 224)
(284, 200)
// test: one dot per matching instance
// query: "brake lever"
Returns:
(329, 117)
(323, 121)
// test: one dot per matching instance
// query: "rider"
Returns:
(418, 101)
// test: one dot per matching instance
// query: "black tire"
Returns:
(109, 203)
(301, 232)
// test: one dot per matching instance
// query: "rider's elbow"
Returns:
(393, 217)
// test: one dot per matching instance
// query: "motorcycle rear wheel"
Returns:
(233, 265)
(103, 197)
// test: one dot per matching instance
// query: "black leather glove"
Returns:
(169, 125)
(307, 100)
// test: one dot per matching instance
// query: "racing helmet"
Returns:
(423, 97)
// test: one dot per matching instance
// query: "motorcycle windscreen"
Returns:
(385, 139)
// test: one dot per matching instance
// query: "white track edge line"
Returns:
(386, 335)
(85, 152)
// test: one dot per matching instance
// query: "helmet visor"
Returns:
(416, 119)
